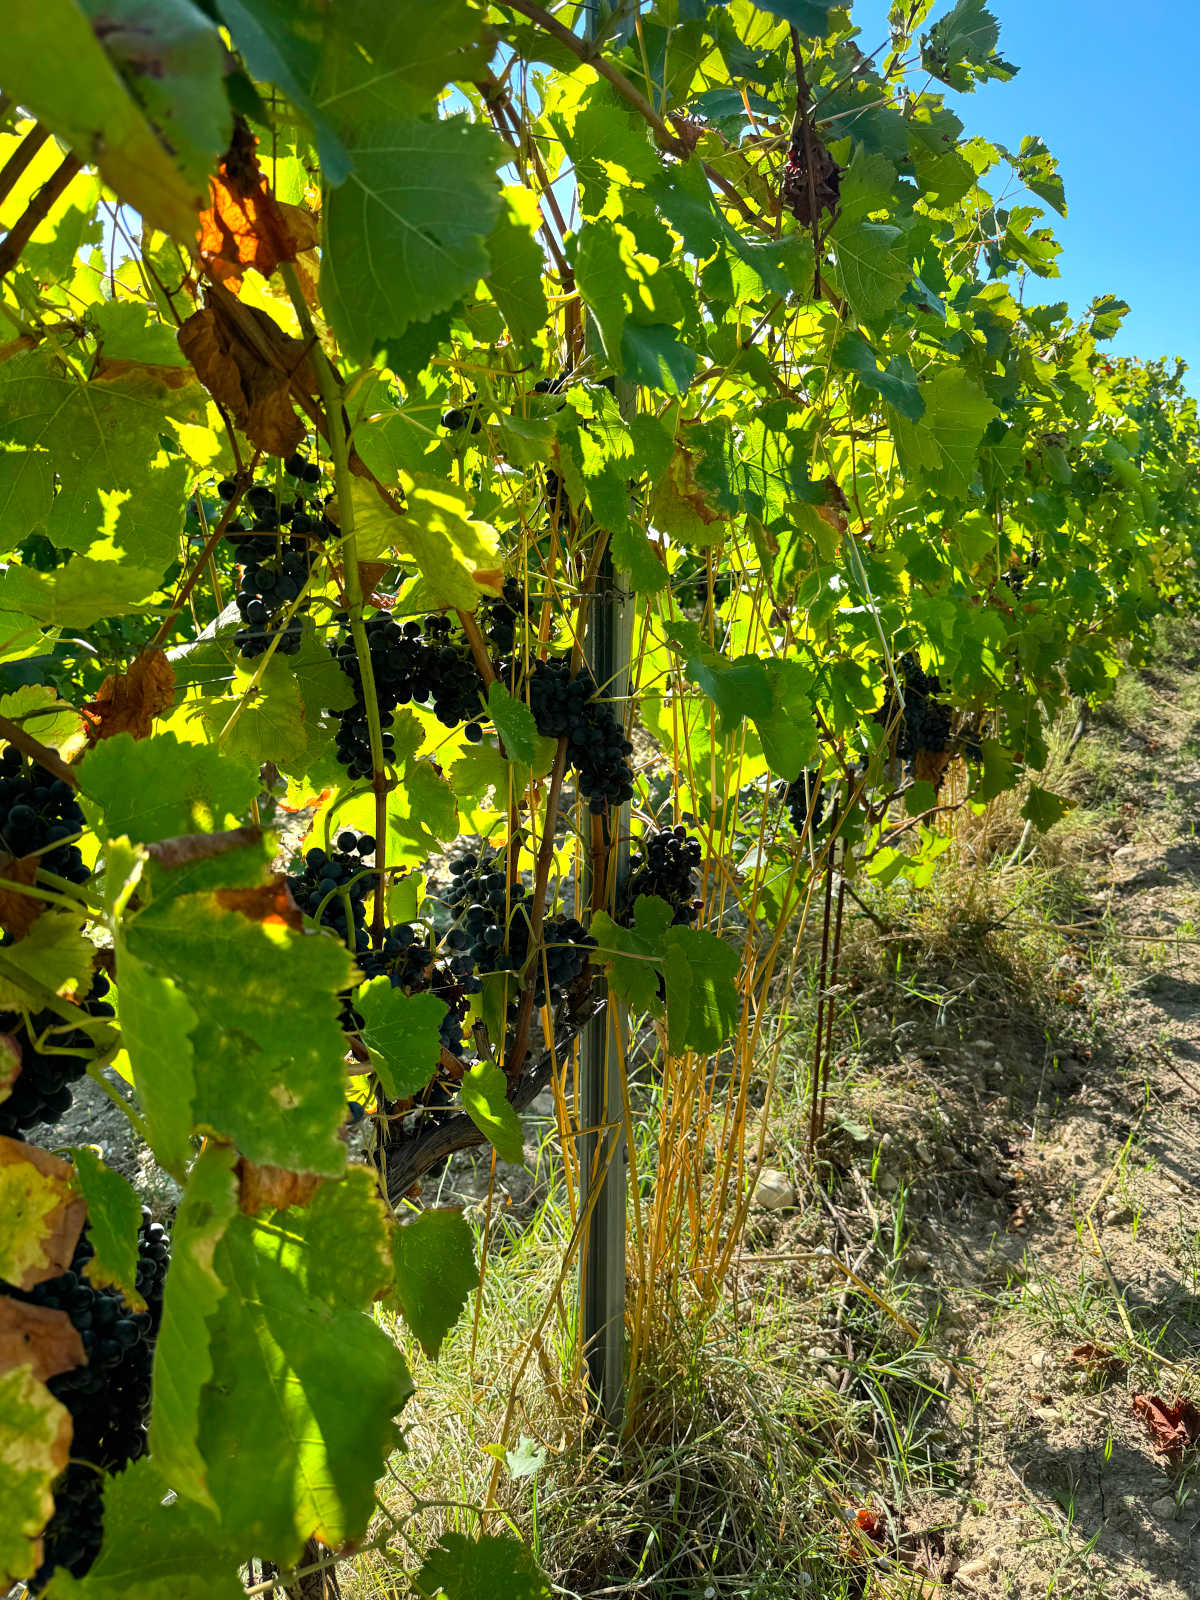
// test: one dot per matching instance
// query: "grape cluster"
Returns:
(108, 1397)
(1019, 574)
(798, 798)
(413, 662)
(665, 865)
(327, 882)
(38, 813)
(492, 929)
(406, 958)
(564, 706)
(275, 567)
(500, 617)
(53, 1057)
(925, 722)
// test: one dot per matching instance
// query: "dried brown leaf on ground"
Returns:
(1096, 1359)
(128, 702)
(1173, 1428)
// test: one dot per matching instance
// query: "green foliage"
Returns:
(436, 1273)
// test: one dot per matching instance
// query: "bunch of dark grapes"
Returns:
(327, 882)
(798, 798)
(1019, 575)
(38, 813)
(460, 419)
(108, 1397)
(564, 706)
(925, 722)
(492, 929)
(53, 1057)
(412, 663)
(665, 864)
(500, 617)
(271, 579)
(407, 959)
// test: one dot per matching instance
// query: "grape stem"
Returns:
(42, 754)
(331, 400)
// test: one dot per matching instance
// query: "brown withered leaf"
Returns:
(18, 912)
(1096, 1359)
(250, 366)
(1172, 1428)
(929, 766)
(37, 1336)
(39, 1191)
(10, 1064)
(186, 848)
(244, 224)
(128, 702)
(272, 903)
(268, 1188)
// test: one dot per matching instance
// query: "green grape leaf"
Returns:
(810, 17)
(527, 1460)
(483, 1095)
(155, 1546)
(296, 1357)
(495, 1565)
(116, 489)
(872, 272)
(156, 1025)
(654, 356)
(54, 955)
(943, 448)
(439, 534)
(401, 1031)
(182, 1359)
(703, 1005)
(270, 726)
(76, 90)
(156, 788)
(413, 50)
(631, 954)
(53, 729)
(78, 595)
(283, 42)
(436, 1273)
(114, 1217)
(129, 330)
(514, 723)
(999, 770)
(897, 384)
(268, 1048)
(633, 553)
(405, 235)
(1044, 808)
(515, 271)
(960, 47)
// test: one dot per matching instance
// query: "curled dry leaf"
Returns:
(38, 1337)
(271, 902)
(244, 224)
(1095, 1359)
(18, 912)
(41, 1214)
(128, 702)
(250, 366)
(268, 1188)
(1172, 1428)
(10, 1063)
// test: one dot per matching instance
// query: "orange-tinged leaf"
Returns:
(41, 1214)
(266, 1188)
(38, 1337)
(272, 902)
(128, 702)
(244, 224)
(1172, 1428)
(18, 912)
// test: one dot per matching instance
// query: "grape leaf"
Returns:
(41, 1215)
(405, 235)
(514, 723)
(114, 1216)
(436, 1273)
(55, 955)
(943, 448)
(268, 1048)
(401, 1031)
(182, 1359)
(35, 1444)
(496, 1565)
(296, 1358)
(483, 1095)
(630, 953)
(809, 17)
(703, 1004)
(77, 595)
(155, 788)
(515, 269)
(156, 1025)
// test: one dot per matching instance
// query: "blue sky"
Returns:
(1111, 89)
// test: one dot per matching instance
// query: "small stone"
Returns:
(1046, 1414)
(887, 1183)
(1040, 1358)
(1117, 1216)
(923, 1152)
(978, 1568)
(774, 1190)
(1165, 1510)
(916, 1258)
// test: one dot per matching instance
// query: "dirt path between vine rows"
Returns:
(1004, 1102)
